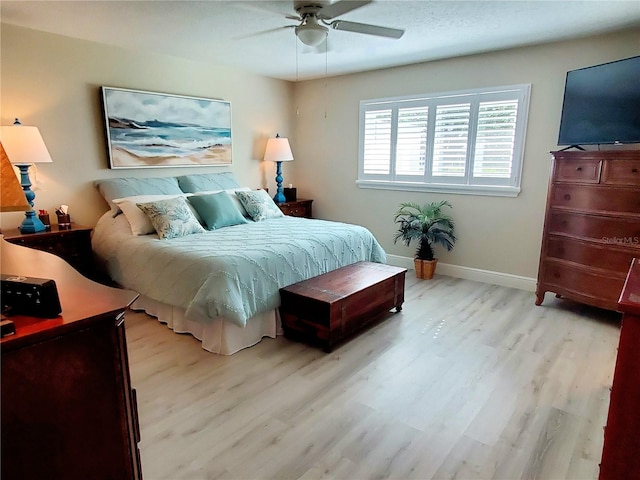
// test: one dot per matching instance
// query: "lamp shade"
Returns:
(278, 150)
(12, 198)
(24, 145)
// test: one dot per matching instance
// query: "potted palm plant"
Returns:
(429, 225)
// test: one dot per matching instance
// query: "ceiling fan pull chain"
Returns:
(326, 72)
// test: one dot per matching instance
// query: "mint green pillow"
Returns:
(217, 210)
(171, 218)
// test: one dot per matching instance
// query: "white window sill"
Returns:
(489, 190)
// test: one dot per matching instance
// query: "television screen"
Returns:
(602, 104)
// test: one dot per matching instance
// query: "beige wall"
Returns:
(494, 233)
(53, 82)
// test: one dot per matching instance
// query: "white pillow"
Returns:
(139, 221)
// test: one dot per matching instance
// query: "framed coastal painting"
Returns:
(147, 129)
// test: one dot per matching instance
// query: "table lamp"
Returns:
(23, 146)
(278, 150)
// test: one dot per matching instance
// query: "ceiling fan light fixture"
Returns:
(312, 34)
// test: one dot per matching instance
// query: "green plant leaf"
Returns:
(427, 224)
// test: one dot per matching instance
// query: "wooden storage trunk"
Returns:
(330, 307)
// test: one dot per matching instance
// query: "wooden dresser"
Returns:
(621, 451)
(73, 245)
(68, 410)
(297, 208)
(592, 226)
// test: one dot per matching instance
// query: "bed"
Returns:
(221, 285)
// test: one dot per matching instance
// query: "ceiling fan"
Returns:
(317, 17)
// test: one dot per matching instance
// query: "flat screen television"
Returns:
(602, 104)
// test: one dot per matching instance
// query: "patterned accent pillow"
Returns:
(259, 205)
(171, 218)
(139, 221)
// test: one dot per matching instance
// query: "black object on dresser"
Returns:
(68, 409)
(592, 226)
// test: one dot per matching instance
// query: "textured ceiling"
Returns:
(248, 34)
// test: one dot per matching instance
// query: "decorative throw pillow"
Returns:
(217, 210)
(236, 200)
(232, 193)
(259, 205)
(171, 218)
(138, 220)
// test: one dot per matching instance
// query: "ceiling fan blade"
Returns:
(367, 29)
(257, 7)
(340, 8)
(263, 32)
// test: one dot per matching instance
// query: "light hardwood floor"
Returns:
(469, 381)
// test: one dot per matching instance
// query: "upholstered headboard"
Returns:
(206, 182)
(112, 188)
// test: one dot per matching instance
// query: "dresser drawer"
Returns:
(621, 172)
(596, 198)
(67, 246)
(295, 211)
(585, 170)
(599, 228)
(73, 245)
(606, 257)
(299, 208)
(583, 282)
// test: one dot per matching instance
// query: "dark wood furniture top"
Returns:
(630, 297)
(73, 245)
(592, 226)
(331, 307)
(299, 208)
(621, 451)
(68, 410)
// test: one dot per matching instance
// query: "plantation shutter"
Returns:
(377, 142)
(495, 139)
(450, 140)
(468, 141)
(411, 143)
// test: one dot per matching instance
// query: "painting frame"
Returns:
(145, 129)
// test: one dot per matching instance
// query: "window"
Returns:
(461, 142)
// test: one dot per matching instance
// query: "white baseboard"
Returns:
(476, 274)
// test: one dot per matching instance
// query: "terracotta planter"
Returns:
(425, 268)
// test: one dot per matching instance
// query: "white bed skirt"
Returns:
(219, 336)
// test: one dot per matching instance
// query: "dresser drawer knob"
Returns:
(578, 169)
(634, 170)
(567, 197)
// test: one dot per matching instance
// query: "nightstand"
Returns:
(299, 208)
(73, 245)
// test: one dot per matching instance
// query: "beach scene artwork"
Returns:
(146, 129)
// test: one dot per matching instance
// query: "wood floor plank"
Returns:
(469, 380)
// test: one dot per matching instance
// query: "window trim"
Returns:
(462, 185)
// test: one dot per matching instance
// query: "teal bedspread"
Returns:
(234, 272)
